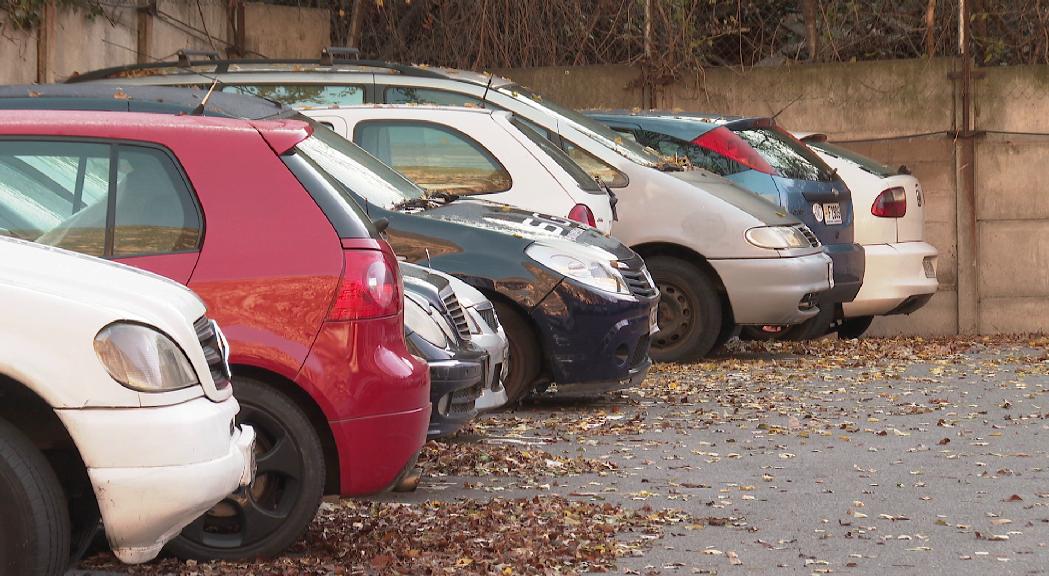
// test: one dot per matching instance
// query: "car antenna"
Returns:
(199, 110)
(484, 96)
(784, 109)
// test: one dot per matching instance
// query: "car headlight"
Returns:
(778, 237)
(143, 358)
(423, 323)
(589, 271)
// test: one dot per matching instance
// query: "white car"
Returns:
(109, 408)
(497, 155)
(487, 332)
(900, 275)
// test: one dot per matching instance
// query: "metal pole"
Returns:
(968, 271)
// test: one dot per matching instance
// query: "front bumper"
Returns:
(457, 377)
(492, 341)
(594, 339)
(170, 465)
(770, 291)
(896, 274)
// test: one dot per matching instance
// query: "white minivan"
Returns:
(108, 409)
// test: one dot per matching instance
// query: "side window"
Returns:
(437, 158)
(404, 95)
(55, 193)
(595, 166)
(155, 211)
(302, 95)
(58, 193)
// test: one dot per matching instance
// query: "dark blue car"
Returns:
(763, 158)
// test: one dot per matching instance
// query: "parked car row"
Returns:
(390, 250)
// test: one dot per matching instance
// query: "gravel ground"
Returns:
(881, 456)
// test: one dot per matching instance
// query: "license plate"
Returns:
(832, 213)
(653, 325)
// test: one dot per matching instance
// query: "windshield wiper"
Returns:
(448, 197)
(419, 202)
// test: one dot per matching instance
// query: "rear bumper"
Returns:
(896, 280)
(594, 338)
(379, 449)
(770, 290)
(170, 465)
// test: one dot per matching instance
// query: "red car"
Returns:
(307, 292)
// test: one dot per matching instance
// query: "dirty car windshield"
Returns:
(357, 170)
(596, 130)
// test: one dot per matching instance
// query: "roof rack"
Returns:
(330, 56)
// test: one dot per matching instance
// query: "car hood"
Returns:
(542, 228)
(127, 293)
(768, 213)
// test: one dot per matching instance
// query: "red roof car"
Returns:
(307, 292)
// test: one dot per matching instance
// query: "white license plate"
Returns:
(832, 213)
(653, 326)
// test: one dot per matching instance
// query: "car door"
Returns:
(125, 202)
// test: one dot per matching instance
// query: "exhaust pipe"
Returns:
(409, 481)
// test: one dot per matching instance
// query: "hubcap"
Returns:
(675, 315)
(252, 513)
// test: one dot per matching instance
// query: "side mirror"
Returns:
(381, 224)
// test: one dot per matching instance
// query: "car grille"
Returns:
(489, 317)
(456, 312)
(634, 273)
(463, 401)
(813, 241)
(213, 352)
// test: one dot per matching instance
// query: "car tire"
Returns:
(525, 358)
(283, 499)
(853, 328)
(35, 530)
(689, 311)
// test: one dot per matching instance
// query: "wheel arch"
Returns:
(680, 252)
(309, 407)
(497, 297)
(24, 408)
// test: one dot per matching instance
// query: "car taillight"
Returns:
(582, 213)
(891, 203)
(370, 287)
(725, 142)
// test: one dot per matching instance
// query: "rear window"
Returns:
(788, 156)
(557, 155)
(867, 164)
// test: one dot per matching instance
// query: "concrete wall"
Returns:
(286, 30)
(70, 40)
(900, 112)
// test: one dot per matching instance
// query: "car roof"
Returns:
(205, 64)
(152, 99)
(281, 134)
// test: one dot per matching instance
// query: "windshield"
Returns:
(557, 155)
(357, 170)
(787, 154)
(596, 130)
